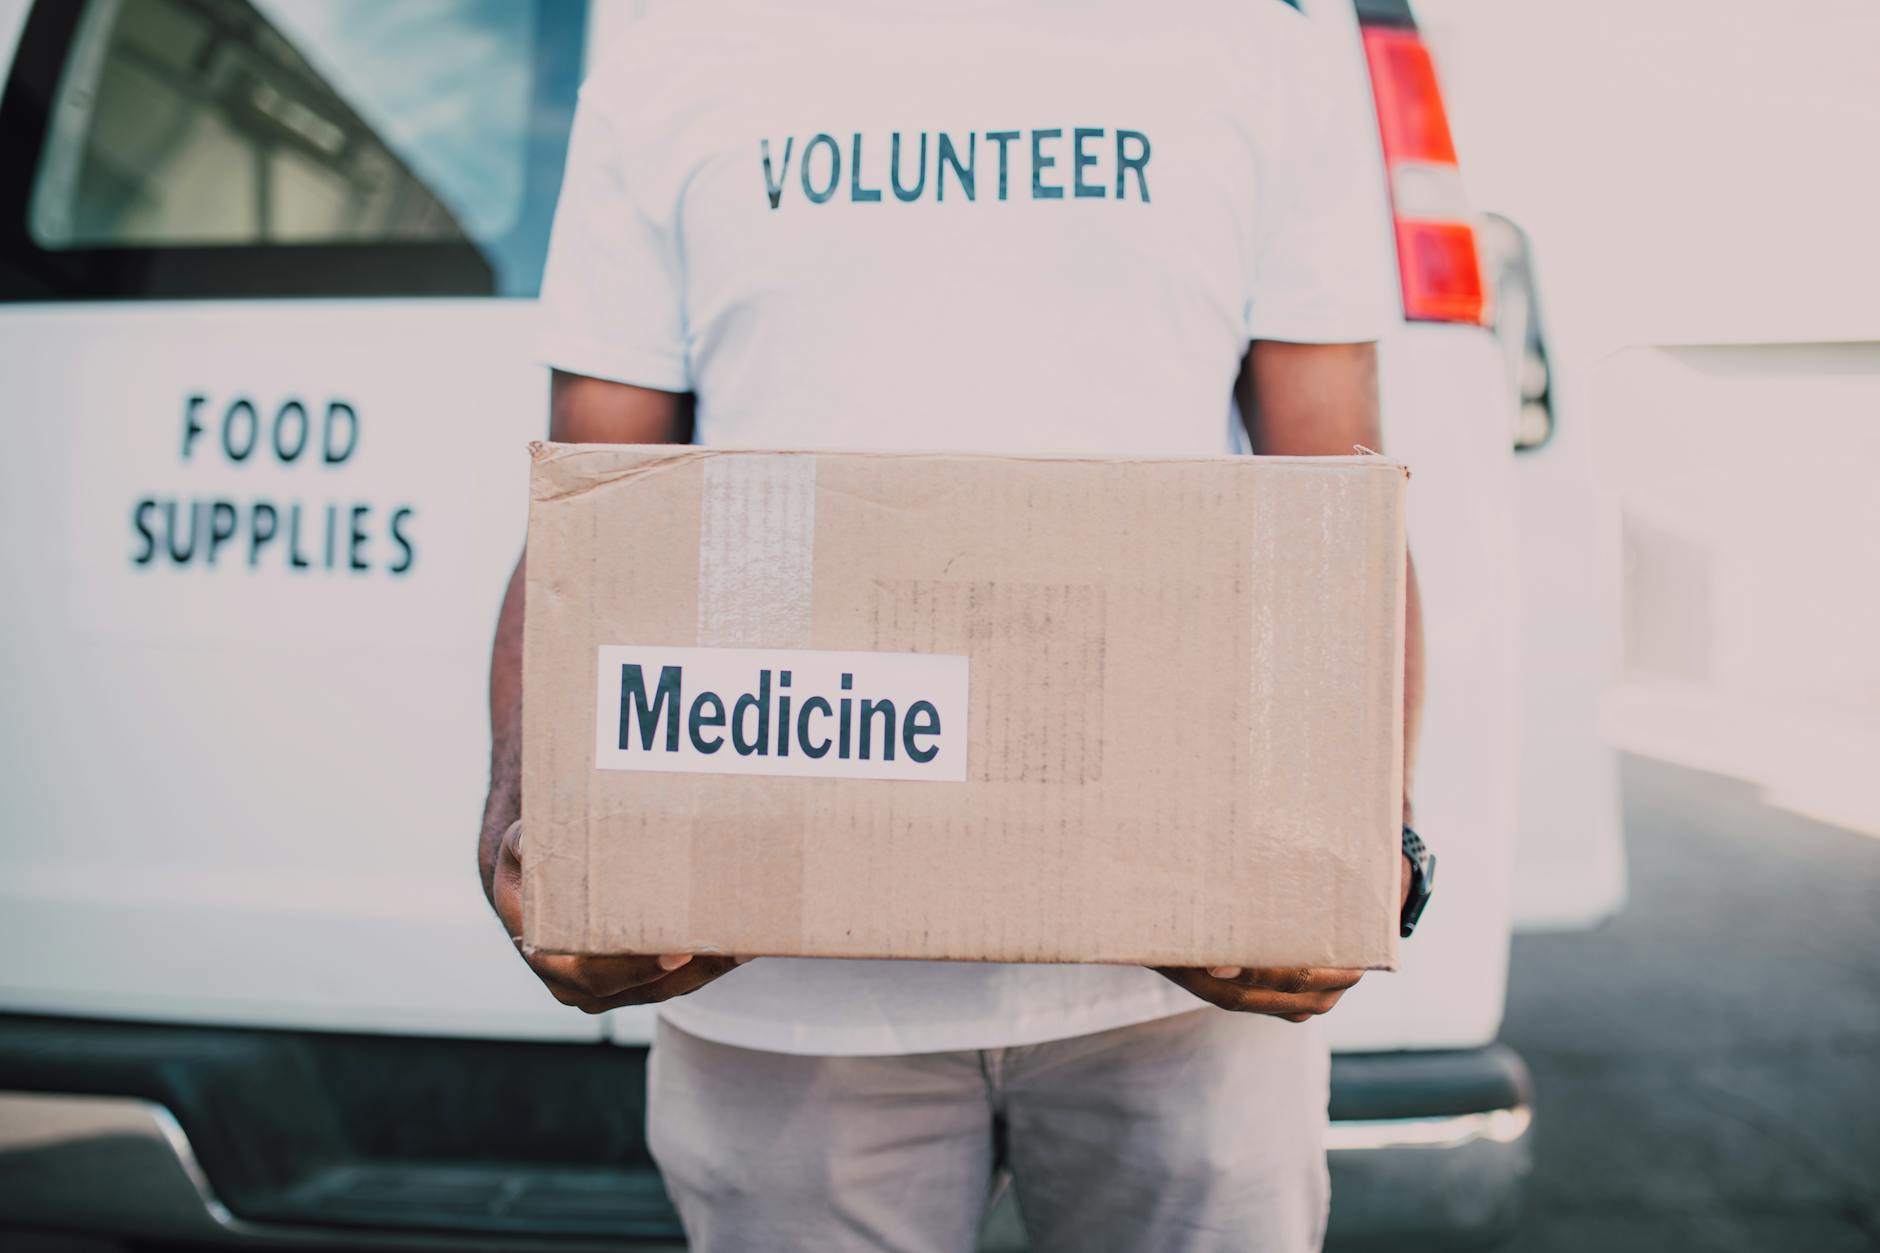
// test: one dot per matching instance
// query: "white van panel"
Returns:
(1745, 473)
(250, 795)
(1570, 870)
(1446, 417)
(250, 792)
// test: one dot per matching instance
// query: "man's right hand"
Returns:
(594, 984)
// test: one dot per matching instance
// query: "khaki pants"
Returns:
(1204, 1131)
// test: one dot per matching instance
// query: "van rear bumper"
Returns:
(1428, 1151)
(285, 1139)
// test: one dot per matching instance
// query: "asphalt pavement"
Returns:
(1707, 1064)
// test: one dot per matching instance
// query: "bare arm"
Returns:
(581, 411)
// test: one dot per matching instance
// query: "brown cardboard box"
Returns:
(955, 706)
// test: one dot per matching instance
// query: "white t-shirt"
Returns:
(1097, 205)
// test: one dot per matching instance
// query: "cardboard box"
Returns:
(956, 706)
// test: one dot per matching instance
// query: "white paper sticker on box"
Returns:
(810, 713)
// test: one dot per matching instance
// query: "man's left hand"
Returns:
(1295, 993)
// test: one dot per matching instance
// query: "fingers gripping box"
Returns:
(970, 707)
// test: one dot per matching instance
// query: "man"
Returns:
(1000, 226)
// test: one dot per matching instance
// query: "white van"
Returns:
(267, 269)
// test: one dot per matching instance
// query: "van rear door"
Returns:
(266, 279)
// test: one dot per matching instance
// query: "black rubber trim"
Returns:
(382, 1132)
(1428, 1085)
(442, 1134)
(1385, 13)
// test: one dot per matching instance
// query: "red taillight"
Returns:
(1436, 253)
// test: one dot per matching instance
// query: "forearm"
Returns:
(504, 805)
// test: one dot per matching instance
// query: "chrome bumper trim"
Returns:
(1498, 1126)
(164, 1125)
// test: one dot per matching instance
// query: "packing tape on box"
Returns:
(756, 550)
(756, 563)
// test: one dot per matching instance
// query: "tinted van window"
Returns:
(285, 147)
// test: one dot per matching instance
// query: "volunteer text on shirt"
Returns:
(1090, 170)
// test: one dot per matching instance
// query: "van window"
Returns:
(285, 147)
